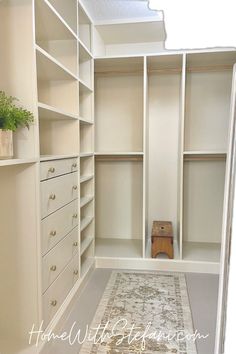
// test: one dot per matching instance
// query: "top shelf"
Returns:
(49, 24)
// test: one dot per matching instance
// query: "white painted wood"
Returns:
(164, 122)
(85, 244)
(56, 260)
(50, 169)
(85, 200)
(119, 108)
(118, 248)
(49, 23)
(56, 157)
(59, 137)
(228, 220)
(201, 251)
(58, 225)
(87, 260)
(86, 178)
(16, 162)
(145, 154)
(85, 66)
(59, 290)
(57, 192)
(119, 201)
(203, 200)
(49, 112)
(85, 221)
(84, 28)
(68, 11)
(207, 110)
(165, 265)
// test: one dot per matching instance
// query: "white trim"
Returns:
(128, 20)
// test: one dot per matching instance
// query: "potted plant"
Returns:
(11, 118)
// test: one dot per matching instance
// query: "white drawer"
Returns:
(54, 168)
(58, 224)
(57, 192)
(57, 292)
(56, 260)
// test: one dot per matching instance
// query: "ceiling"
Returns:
(103, 11)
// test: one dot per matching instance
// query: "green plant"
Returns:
(12, 116)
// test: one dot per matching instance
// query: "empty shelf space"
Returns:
(86, 154)
(85, 178)
(84, 48)
(123, 248)
(84, 87)
(86, 265)
(85, 244)
(85, 120)
(68, 11)
(49, 24)
(201, 251)
(49, 112)
(85, 222)
(85, 200)
(48, 68)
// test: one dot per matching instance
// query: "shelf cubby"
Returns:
(87, 260)
(59, 137)
(47, 112)
(85, 66)
(85, 103)
(202, 207)
(86, 166)
(86, 192)
(86, 238)
(119, 104)
(84, 28)
(68, 11)
(121, 219)
(86, 138)
(208, 92)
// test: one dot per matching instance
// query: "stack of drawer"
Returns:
(59, 232)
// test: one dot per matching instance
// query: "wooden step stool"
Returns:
(162, 238)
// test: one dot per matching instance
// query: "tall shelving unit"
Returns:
(53, 77)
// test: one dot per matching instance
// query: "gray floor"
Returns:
(202, 289)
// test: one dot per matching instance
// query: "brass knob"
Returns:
(75, 187)
(52, 196)
(53, 268)
(76, 272)
(75, 216)
(74, 165)
(53, 233)
(51, 169)
(54, 303)
(75, 244)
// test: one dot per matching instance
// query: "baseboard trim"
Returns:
(155, 264)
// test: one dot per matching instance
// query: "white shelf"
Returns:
(86, 265)
(122, 248)
(85, 48)
(84, 53)
(85, 121)
(205, 152)
(85, 178)
(84, 87)
(52, 113)
(118, 153)
(57, 157)
(85, 244)
(201, 251)
(85, 222)
(51, 69)
(161, 255)
(85, 200)
(56, 29)
(12, 162)
(87, 154)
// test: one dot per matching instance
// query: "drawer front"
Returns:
(58, 224)
(57, 192)
(54, 168)
(57, 292)
(56, 260)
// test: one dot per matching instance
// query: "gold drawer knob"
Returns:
(75, 187)
(53, 233)
(75, 216)
(54, 303)
(75, 244)
(51, 169)
(76, 272)
(53, 268)
(74, 165)
(52, 196)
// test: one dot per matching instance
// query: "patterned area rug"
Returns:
(142, 313)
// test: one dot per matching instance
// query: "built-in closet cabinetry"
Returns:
(47, 189)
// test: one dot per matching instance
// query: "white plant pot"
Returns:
(6, 144)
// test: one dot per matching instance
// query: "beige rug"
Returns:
(155, 304)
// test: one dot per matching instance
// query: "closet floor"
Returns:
(202, 289)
